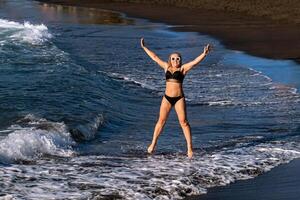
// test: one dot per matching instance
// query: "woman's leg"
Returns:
(165, 108)
(180, 109)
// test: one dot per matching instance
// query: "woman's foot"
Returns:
(190, 154)
(151, 148)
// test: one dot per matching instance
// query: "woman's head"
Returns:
(175, 60)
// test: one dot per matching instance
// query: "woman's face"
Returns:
(175, 60)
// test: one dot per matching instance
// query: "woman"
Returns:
(174, 96)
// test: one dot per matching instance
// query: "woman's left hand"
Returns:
(206, 49)
(142, 43)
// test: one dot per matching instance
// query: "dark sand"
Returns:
(255, 36)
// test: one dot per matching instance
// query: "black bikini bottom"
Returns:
(173, 100)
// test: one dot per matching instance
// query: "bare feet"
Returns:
(190, 154)
(151, 148)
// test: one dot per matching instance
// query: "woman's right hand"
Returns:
(142, 43)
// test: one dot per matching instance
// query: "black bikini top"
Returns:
(177, 75)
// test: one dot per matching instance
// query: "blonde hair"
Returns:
(169, 60)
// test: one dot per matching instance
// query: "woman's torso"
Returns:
(174, 83)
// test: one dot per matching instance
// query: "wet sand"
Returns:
(255, 36)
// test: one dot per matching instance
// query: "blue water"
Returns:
(79, 100)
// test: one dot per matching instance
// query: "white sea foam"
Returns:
(155, 177)
(26, 32)
(34, 138)
(221, 103)
(7, 197)
(259, 73)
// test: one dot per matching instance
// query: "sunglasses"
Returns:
(175, 58)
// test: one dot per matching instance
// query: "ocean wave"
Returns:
(33, 137)
(26, 32)
(87, 131)
(129, 79)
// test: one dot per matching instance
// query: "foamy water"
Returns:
(154, 177)
(11, 31)
(34, 138)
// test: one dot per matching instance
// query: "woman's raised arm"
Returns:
(188, 66)
(153, 56)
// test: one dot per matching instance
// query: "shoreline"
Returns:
(254, 36)
(281, 182)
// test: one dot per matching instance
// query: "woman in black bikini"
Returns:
(175, 72)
